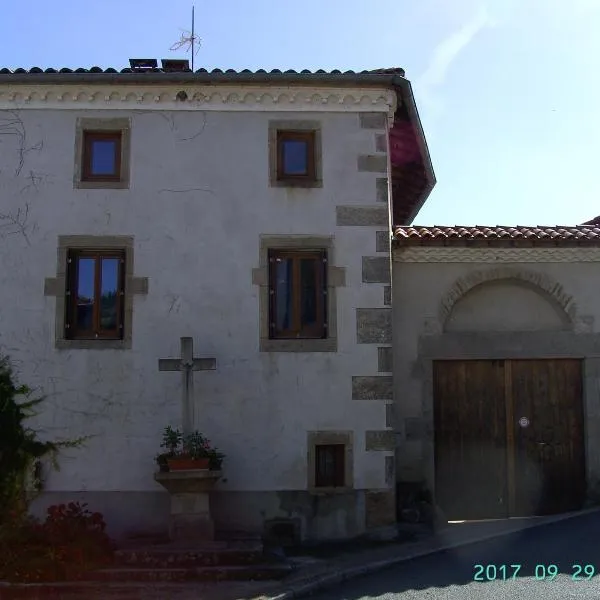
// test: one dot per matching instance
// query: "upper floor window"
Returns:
(102, 153)
(95, 294)
(296, 156)
(298, 294)
(101, 156)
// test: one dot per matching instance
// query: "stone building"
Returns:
(248, 211)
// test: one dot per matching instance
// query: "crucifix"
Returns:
(187, 364)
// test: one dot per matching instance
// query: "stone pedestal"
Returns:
(190, 505)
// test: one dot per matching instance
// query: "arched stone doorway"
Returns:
(505, 397)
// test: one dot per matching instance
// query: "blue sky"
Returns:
(507, 90)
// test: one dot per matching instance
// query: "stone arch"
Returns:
(541, 282)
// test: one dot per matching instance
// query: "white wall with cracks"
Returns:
(198, 200)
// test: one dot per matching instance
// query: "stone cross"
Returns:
(187, 364)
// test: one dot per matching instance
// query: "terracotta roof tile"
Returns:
(390, 71)
(497, 235)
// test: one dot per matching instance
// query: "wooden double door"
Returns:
(509, 437)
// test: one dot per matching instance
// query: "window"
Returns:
(296, 156)
(101, 156)
(95, 294)
(298, 294)
(329, 465)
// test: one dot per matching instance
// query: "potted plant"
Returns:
(171, 440)
(191, 452)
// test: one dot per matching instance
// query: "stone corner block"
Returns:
(387, 295)
(383, 440)
(381, 187)
(374, 325)
(373, 120)
(371, 216)
(372, 387)
(372, 163)
(380, 508)
(376, 269)
(385, 359)
(382, 241)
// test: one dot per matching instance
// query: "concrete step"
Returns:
(212, 573)
(179, 556)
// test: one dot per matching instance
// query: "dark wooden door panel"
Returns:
(470, 439)
(549, 452)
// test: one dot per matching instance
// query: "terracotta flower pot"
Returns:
(188, 464)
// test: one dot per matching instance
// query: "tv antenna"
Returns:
(188, 41)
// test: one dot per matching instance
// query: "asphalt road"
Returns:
(450, 575)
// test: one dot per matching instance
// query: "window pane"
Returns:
(104, 154)
(283, 294)
(308, 291)
(295, 157)
(110, 286)
(85, 293)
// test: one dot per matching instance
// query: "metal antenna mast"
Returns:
(188, 40)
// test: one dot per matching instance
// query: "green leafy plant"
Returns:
(194, 446)
(21, 450)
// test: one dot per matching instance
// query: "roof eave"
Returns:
(206, 78)
(408, 98)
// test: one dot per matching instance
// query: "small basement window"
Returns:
(101, 157)
(95, 294)
(298, 294)
(330, 465)
(296, 156)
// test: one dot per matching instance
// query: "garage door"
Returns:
(508, 437)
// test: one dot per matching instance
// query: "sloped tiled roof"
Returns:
(20, 70)
(498, 235)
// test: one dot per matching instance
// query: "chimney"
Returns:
(139, 65)
(175, 65)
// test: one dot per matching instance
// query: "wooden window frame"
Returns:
(307, 136)
(90, 136)
(72, 332)
(320, 330)
(338, 478)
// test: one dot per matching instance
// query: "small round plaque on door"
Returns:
(524, 422)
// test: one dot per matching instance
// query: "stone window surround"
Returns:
(88, 124)
(317, 438)
(335, 278)
(298, 125)
(56, 286)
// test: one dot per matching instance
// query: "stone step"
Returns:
(213, 573)
(205, 554)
